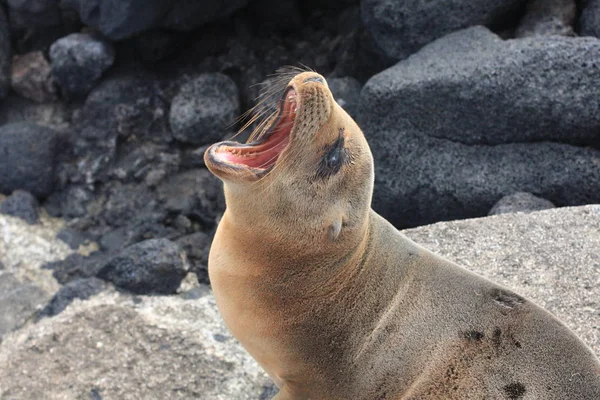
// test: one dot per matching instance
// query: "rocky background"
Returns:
(471, 107)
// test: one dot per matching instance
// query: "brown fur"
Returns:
(368, 314)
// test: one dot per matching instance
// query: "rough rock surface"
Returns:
(79, 289)
(119, 19)
(155, 266)
(204, 109)
(549, 256)
(21, 204)
(520, 202)
(53, 115)
(117, 347)
(5, 56)
(27, 158)
(589, 21)
(18, 302)
(548, 17)
(78, 61)
(443, 125)
(402, 27)
(32, 77)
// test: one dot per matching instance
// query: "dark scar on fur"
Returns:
(515, 390)
(335, 156)
(506, 299)
(474, 336)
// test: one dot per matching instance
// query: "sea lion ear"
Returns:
(334, 229)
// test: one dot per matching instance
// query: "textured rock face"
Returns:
(589, 21)
(400, 28)
(453, 133)
(520, 202)
(27, 158)
(78, 61)
(5, 54)
(549, 256)
(204, 109)
(21, 204)
(112, 347)
(346, 91)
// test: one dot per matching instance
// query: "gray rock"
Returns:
(19, 302)
(78, 61)
(115, 347)
(204, 109)
(27, 158)
(520, 202)
(474, 88)
(155, 266)
(550, 257)
(32, 77)
(72, 237)
(79, 289)
(548, 17)
(23, 205)
(5, 56)
(196, 193)
(34, 14)
(76, 267)
(589, 21)
(400, 28)
(430, 121)
(346, 92)
(120, 19)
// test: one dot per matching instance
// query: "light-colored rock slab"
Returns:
(552, 257)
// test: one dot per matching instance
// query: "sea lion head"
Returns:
(307, 171)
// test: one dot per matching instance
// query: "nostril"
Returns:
(314, 79)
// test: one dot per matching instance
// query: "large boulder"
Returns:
(5, 56)
(117, 347)
(549, 256)
(400, 28)
(470, 119)
(27, 158)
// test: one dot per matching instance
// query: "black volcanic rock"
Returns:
(119, 19)
(454, 128)
(78, 61)
(400, 28)
(23, 205)
(32, 14)
(346, 91)
(81, 289)
(589, 21)
(5, 56)
(204, 109)
(27, 158)
(154, 266)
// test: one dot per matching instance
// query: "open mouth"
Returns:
(261, 155)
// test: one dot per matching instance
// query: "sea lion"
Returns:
(335, 303)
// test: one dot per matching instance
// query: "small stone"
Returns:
(21, 204)
(32, 77)
(548, 17)
(75, 266)
(79, 289)
(34, 14)
(27, 158)
(155, 266)
(346, 91)
(78, 61)
(204, 109)
(589, 21)
(520, 202)
(72, 237)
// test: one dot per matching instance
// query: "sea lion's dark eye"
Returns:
(334, 157)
